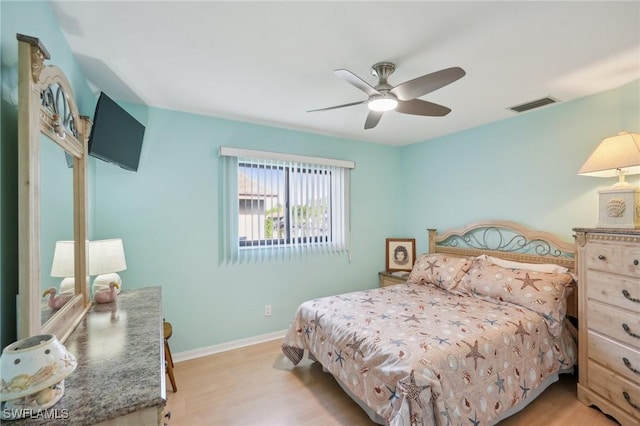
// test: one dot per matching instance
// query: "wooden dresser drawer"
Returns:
(615, 290)
(630, 260)
(603, 257)
(614, 258)
(619, 358)
(616, 323)
(618, 390)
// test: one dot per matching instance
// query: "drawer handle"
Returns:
(635, 262)
(629, 332)
(627, 364)
(628, 399)
(602, 257)
(626, 294)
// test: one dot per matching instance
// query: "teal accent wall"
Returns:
(521, 169)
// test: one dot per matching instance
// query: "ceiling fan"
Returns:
(402, 98)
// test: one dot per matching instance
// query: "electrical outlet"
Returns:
(267, 310)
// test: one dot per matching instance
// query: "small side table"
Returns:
(387, 279)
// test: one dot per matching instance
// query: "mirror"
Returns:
(49, 123)
(56, 225)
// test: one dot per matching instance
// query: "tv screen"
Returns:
(116, 137)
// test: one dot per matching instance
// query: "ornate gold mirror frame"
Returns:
(46, 105)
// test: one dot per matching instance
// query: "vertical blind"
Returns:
(281, 205)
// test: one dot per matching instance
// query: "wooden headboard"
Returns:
(511, 241)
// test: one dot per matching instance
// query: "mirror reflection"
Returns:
(56, 228)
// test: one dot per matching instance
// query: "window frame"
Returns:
(335, 240)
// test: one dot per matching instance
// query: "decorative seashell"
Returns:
(19, 382)
(45, 396)
(615, 207)
(43, 374)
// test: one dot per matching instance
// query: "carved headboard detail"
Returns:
(507, 240)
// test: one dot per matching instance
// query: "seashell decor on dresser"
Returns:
(32, 374)
(615, 207)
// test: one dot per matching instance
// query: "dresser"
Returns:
(609, 321)
(120, 378)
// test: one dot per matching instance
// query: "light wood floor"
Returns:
(256, 386)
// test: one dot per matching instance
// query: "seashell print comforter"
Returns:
(419, 355)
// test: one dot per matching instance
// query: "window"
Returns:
(283, 204)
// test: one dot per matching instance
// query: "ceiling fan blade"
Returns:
(339, 106)
(350, 77)
(420, 107)
(420, 86)
(372, 119)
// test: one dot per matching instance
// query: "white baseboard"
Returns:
(227, 346)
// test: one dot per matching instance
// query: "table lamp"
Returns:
(619, 205)
(63, 266)
(106, 258)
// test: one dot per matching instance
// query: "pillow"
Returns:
(440, 270)
(544, 293)
(539, 267)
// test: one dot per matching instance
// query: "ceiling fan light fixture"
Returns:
(402, 98)
(381, 103)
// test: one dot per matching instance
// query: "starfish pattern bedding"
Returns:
(420, 355)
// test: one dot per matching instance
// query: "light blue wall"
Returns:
(168, 216)
(521, 169)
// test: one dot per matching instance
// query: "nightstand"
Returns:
(387, 279)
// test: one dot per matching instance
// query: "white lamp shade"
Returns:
(106, 256)
(63, 260)
(616, 152)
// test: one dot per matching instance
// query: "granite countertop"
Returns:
(119, 351)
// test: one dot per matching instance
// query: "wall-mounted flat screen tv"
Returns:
(116, 137)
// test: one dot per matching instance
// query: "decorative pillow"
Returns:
(544, 293)
(440, 270)
(538, 267)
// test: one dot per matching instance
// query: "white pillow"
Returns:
(549, 268)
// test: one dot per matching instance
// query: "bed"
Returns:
(479, 329)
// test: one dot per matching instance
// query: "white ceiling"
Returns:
(269, 62)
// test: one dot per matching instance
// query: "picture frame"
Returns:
(400, 254)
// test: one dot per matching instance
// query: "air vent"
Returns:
(533, 104)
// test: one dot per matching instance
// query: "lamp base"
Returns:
(102, 282)
(67, 286)
(619, 208)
